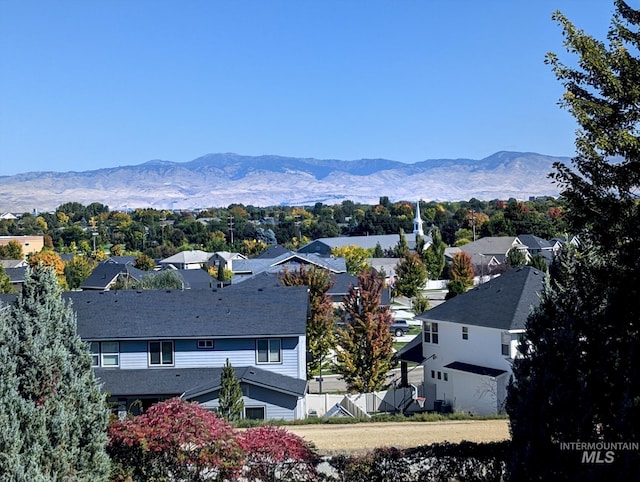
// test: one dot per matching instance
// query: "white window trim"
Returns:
(430, 332)
(100, 354)
(161, 364)
(262, 407)
(205, 342)
(269, 361)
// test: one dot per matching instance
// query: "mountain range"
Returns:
(217, 180)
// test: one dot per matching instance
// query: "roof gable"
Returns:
(503, 303)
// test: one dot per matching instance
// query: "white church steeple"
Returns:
(417, 221)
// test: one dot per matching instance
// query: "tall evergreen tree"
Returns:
(230, 399)
(411, 274)
(366, 342)
(433, 256)
(402, 248)
(321, 323)
(578, 379)
(50, 388)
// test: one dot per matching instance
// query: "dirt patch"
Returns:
(332, 439)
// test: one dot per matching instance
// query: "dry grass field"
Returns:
(355, 438)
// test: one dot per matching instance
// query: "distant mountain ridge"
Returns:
(216, 180)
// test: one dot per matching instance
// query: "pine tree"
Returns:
(433, 256)
(411, 274)
(578, 379)
(366, 344)
(51, 389)
(402, 248)
(231, 404)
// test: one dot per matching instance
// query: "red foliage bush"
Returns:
(175, 439)
(273, 453)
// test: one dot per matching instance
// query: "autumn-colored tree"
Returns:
(252, 247)
(274, 453)
(144, 262)
(175, 440)
(320, 325)
(117, 250)
(365, 344)
(355, 257)
(50, 258)
(462, 269)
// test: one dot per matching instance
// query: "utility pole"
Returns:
(472, 218)
(230, 224)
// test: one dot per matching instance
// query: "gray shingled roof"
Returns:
(233, 312)
(195, 279)
(534, 242)
(475, 369)
(189, 382)
(188, 257)
(289, 259)
(504, 302)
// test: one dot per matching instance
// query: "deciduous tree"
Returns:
(411, 275)
(320, 325)
(515, 258)
(274, 453)
(5, 281)
(355, 257)
(175, 440)
(365, 343)
(77, 270)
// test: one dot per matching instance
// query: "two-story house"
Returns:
(156, 344)
(469, 342)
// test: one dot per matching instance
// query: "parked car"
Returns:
(399, 327)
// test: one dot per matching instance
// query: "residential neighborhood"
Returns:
(151, 345)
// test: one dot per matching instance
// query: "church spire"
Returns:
(417, 221)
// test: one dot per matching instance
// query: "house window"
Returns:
(105, 354)
(205, 344)
(506, 344)
(430, 331)
(269, 350)
(439, 375)
(254, 413)
(160, 353)
(445, 375)
(433, 373)
(465, 332)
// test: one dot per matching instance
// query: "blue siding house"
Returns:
(152, 345)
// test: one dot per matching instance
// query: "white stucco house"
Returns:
(469, 342)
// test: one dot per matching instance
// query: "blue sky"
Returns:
(93, 84)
